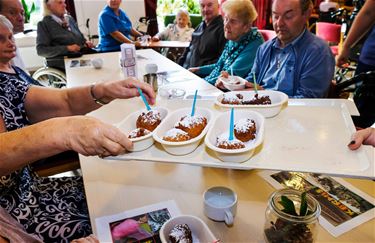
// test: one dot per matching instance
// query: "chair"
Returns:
(268, 34)
(331, 33)
(50, 77)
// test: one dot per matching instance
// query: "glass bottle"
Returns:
(283, 227)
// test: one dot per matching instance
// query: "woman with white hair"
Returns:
(59, 35)
(243, 42)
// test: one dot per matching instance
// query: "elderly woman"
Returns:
(115, 28)
(239, 52)
(37, 122)
(59, 35)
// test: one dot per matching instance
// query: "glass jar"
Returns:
(283, 227)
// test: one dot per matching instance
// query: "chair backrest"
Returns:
(328, 31)
(268, 34)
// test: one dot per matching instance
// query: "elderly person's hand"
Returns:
(73, 48)
(123, 89)
(250, 86)
(88, 239)
(193, 69)
(155, 38)
(89, 136)
(89, 44)
(343, 57)
(364, 136)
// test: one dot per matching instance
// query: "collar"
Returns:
(277, 44)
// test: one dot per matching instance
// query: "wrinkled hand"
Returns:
(364, 136)
(89, 44)
(193, 69)
(155, 38)
(73, 48)
(88, 239)
(89, 136)
(250, 86)
(124, 89)
(343, 57)
(137, 43)
(224, 74)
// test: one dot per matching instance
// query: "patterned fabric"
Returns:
(231, 52)
(54, 209)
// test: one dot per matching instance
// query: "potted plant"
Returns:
(28, 11)
(291, 216)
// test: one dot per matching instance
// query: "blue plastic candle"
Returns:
(231, 125)
(255, 84)
(195, 100)
(144, 99)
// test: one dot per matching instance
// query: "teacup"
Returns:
(220, 204)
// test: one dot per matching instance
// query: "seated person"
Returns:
(180, 30)
(14, 12)
(59, 35)
(115, 28)
(296, 62)
(207, 42)
(42, 122)
(243, 42)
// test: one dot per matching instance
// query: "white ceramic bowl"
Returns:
(129, 124)
(186, 147)
(277, 100)
(221, 125)
(233, 82)
(199, 229)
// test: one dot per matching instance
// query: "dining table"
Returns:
(164, 44)
(115, 185)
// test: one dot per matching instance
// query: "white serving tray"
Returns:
(307, 138)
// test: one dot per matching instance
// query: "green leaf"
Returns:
(303, 208)
(288, 206)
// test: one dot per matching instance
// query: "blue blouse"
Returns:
(109, 22)
(237, 57)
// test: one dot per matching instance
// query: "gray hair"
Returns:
(4, 21)
(183, 11)
(46, 11)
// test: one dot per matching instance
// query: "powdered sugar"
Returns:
(190, 121)
(174, 132)
(244, 124)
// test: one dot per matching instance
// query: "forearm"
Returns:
(43, 103)
(117, 35)
(364, 20)
(51, 51)
(29, 144)
(135, 33)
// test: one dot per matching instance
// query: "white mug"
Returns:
(220, 204)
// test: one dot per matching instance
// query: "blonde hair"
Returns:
(183, 11)
(4, 21)
(243, 9)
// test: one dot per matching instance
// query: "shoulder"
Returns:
(45, 21)
(313, 45)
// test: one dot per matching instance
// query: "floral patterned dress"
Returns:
(54, 209)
